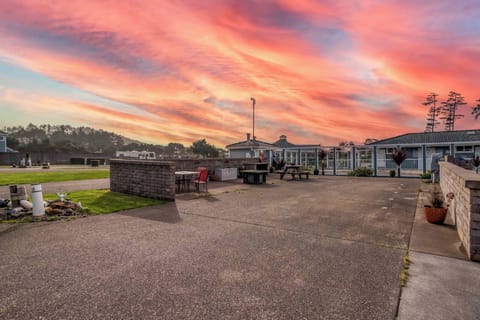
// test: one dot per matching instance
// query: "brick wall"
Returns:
(145, 178)
(465, 186)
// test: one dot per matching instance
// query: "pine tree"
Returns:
(449, 110)
(433, 113)
(476, 110)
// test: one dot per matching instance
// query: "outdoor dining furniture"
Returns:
(183, 179)
(255, 166)
(202, 179)
(290, 168)
(254, 176)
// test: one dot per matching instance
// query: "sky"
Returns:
(163, 71)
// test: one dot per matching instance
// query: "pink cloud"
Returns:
(321, 72)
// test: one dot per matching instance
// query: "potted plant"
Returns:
(435, 213)
(427, 176)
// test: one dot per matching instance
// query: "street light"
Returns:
(252, 142)
(253, 104)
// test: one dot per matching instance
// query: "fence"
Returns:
(341, 161)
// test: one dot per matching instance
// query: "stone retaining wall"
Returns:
(465, 186)
(144, 178)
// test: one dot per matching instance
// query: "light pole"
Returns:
(253, 104)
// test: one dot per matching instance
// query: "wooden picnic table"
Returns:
(294, 170)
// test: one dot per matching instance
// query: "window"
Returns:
(2, 138)
(464, 149)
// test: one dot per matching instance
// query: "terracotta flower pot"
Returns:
(435, 215)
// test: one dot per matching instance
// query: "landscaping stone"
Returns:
(54, 208)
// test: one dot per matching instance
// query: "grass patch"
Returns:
(7, 178)
(14, 221)
(105, 201)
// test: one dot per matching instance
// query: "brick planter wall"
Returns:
(465, 186)
(144, 178)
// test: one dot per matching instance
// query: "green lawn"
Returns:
(105, 201)
(7, 178)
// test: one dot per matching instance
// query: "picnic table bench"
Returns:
(300, 173)
(294, 170)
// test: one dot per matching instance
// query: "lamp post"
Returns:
(252, 151)
(253, 104)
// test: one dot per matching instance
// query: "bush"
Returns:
(426, 175)
(361, 172)
(392, 173)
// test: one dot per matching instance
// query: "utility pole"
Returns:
(253, 103)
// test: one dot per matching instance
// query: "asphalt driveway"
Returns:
(326, 248)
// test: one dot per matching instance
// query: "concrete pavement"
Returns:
(441, 288)
(326, 248)
(441, 285)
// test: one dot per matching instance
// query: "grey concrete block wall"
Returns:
(465, 186)
(144, 178)
(212, 163)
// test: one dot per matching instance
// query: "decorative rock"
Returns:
(3, 214)
(56, 211)
(16, 212)
(57, 204)
(26, 204)
(62, 209)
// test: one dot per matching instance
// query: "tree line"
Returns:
(69, 139)
(446, 110)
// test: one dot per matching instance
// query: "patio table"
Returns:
(183, 179)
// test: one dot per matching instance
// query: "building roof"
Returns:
(432, 138)
(248, 144)
(3, 132)
(283, 143)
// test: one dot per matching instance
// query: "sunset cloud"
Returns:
(159, 71)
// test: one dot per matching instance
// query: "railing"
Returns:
(343, 161)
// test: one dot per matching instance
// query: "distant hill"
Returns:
(65, 138)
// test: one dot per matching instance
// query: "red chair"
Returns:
(202, 179)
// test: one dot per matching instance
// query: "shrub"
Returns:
(426, 175)
(392, 173)
(361, 172)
